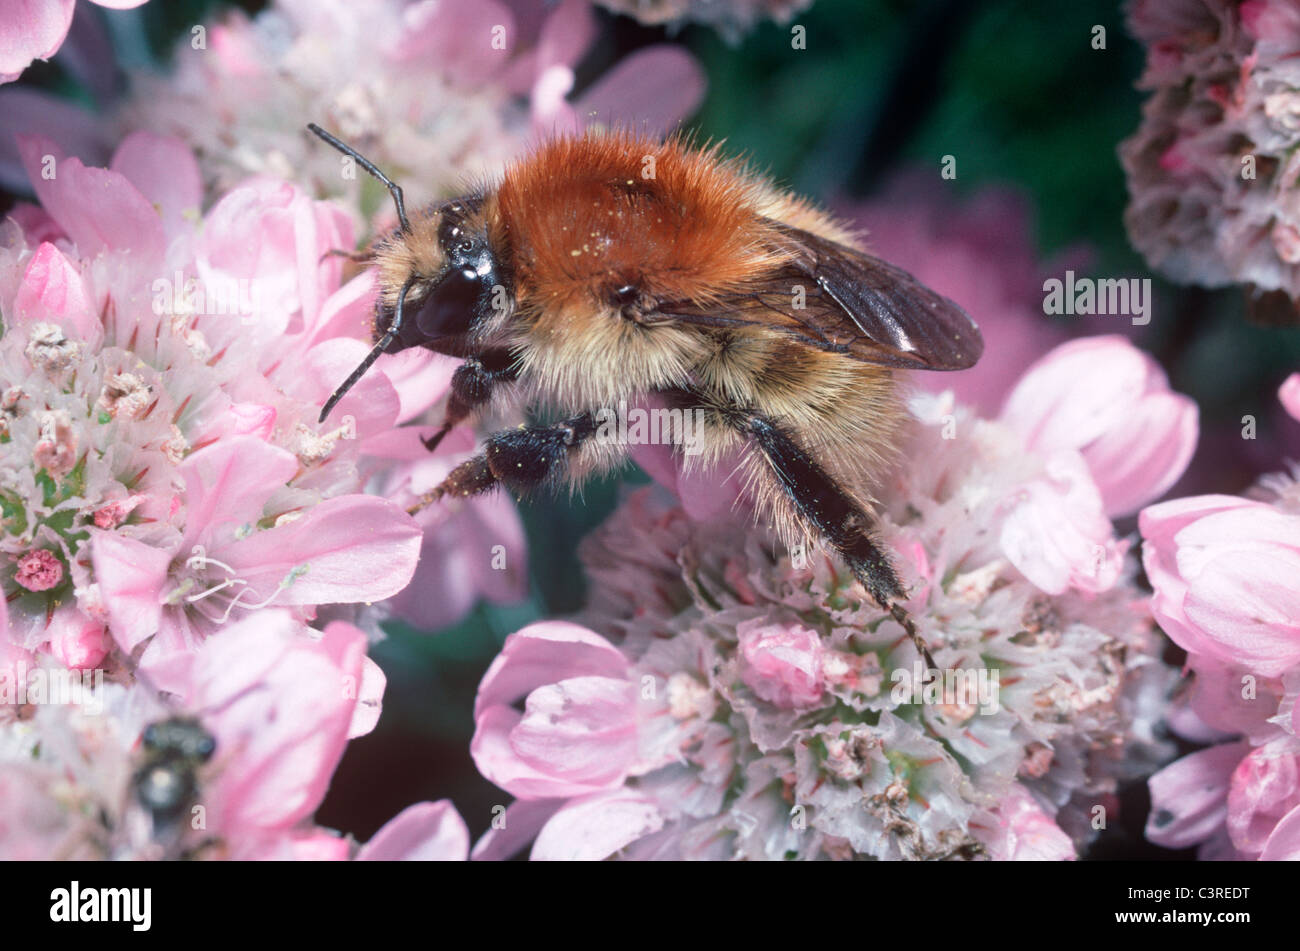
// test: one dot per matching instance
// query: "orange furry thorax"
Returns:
(590, 214)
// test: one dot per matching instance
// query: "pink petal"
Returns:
(1138, 464)
(23, 109)
(228, 484)
(31, 30)
(421, 378)
(424, 832)
(347, 549)
(373, 403)
(499, 762)
(566, 35)
(280, 713)
(545, 653)
(1056, 532)
(581, 730)
(514, 828)
(99, 209)
(1284, 844)
(1289, 394)
(651, 91)
(52, 291)
(596, 826)
(369, 700)
(1265, 787)
(79, 642)
(459, 559)
(166, 173)
(1109, 400)
(458, 36)
(132, 577)
(1189, 797)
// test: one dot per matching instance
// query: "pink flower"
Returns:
(577, 731)
(1224, 573)
(424, 832)
(781, 662)
(1265, 787)
(1056, 533)
(280, 701)
(1112, 402)
(1024, 832)
(35, 29)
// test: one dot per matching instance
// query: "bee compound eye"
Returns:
(449, 308)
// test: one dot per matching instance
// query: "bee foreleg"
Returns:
(833, 514)
(520, 459)
(471, 387)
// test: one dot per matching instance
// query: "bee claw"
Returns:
(432, 442)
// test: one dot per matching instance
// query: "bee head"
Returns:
(179, 737)
(447, 277)
(443, 310)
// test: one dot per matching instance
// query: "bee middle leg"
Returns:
(521, 460)
(834, 515)
(471, 387)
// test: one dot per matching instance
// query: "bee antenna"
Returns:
(375, 353)
(393, 188)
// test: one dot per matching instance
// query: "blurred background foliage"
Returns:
(1014, 90)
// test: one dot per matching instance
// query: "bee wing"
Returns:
(837, 298)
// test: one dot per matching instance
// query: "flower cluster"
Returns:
(722, 697)
(164, 482)
(1213, 167)
(433, 92)
(1224, 570)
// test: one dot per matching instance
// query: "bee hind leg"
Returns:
(521, 460)
(835, 516)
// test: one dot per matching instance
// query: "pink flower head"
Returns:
(740, 684)
(781, 662)
(1212, 167)
(1224, 573)
(162, 383)
(1111, 402)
